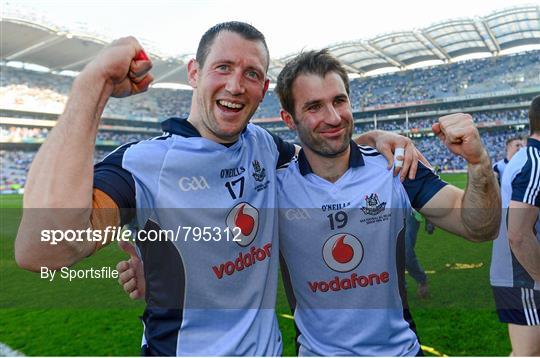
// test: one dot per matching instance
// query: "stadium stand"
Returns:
(15, 165)
(34, 91)
(458, 79)
(481, 76)
(495, 90)
(25, 94)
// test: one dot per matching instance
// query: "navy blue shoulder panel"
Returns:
(526, 184)
(423, 187)
(111, 178)
(286, 150)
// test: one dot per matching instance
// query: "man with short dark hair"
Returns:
(512, 146)
(210, 178)
(515, 262)
(342, 216)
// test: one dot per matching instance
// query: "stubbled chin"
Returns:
(229, 129)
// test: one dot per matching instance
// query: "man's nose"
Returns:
(235, 84)
(332, 117)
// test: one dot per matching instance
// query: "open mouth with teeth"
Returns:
(229, 106)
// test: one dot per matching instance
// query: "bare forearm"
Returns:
(368, 138)
(481, 206)
(527, 250)
(61, 173)
(58, 194)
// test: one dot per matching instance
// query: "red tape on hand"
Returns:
(141, 56)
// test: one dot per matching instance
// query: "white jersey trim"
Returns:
(532, 188)
(529, 307)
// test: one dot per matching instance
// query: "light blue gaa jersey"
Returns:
(499, 167)
(340, 243)
(204, 297)
(520, 182)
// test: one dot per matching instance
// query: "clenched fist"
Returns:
(458, 132)
(124, 66)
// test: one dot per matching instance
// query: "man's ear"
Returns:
(288, 119)
(193, 72)
(265, 89)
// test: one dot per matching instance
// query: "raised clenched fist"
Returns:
(458, 132)
(124, 65)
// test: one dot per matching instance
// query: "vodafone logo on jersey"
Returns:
(343, 252)
(246, 218)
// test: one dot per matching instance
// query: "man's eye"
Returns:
(223, 67)
(314, 107)
(252, 74)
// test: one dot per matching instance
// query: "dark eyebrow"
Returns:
(221, 62)
(310, 103)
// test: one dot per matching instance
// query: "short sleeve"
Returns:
(423, 187)
(286, 150)
(115, 181)
(526, 184)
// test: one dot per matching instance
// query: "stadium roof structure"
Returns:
(442, 41)
(29, 42)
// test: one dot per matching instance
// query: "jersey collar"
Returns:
(533, 143)
(355, 160)
(181, 126)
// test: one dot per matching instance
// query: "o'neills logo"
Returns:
(243, 261)
(353, 281)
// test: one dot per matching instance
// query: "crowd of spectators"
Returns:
(15, 134)
(500, 117)
(14, 165)
(456, 79)
(439, 155)
(44, 92)
(47, 92)
(470, 77)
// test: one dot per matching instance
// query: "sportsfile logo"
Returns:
(193, 183)
(343, 252)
